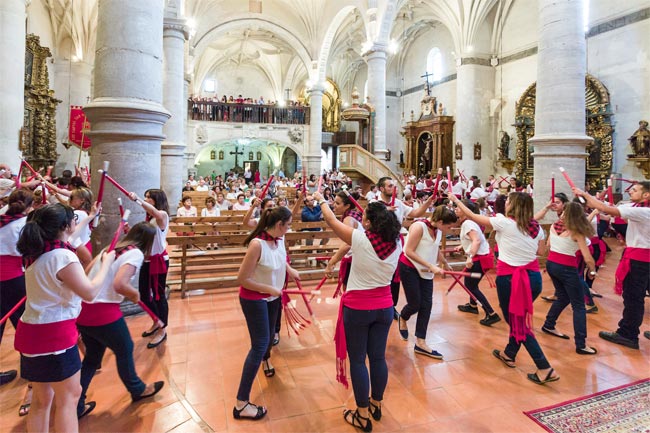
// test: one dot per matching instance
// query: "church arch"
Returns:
(326, 46)
(598, 126)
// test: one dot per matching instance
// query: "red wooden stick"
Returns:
(119, 230)
(552, 186)
(304, 298)
(13, 310)
(570, 182)
(121, 188)
(320, 182)
(610, 195)
(20, 169)
(448, 180)
(266, 187)
(302, 292)
(354, 202)
(151, 314)
(392, 199)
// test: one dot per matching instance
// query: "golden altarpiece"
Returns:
(38, 134)
(429, 139)
(598, 126)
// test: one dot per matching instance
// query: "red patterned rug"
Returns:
(624, 409)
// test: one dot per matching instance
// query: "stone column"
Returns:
(474, 90)
(560, 137)
(126, 113)
(12, 79)
(311, 159)
(172, 166)
(376, 60)
(70, 79)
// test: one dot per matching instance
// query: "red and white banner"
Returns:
(79, 127)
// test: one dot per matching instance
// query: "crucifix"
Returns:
(236, 156)
(426, 81)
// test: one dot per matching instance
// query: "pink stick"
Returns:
(448, 180)
(13, 310)
(120, 187)
(302, 292)
(610, 195)
(151, 314)
(304, 298)
(119, 230)
(354, 202)
(320, 183)
(567, 178)
(552, 186)
(266, 187)
(392, 199)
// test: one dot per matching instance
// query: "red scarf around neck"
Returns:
(382, 248)
(8, 219)
(265, 236)
(49, 246)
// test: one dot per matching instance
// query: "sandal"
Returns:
(549, 378)
(375, 410)
(23, 410)
(353, 418)
(88, 407)
(555, 333)
(507, 361)
(261, 411)
(268, 370)
(586, 350)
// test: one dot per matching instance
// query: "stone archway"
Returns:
(598, 126)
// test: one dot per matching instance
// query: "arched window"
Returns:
(434, 65)
(210, 85)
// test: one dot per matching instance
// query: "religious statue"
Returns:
(504, 148)
(640, 141)
(201, 134)
(458, 151)
(401, 157)
(295, 135)
(427, 149)
(477, 150)
(441, 109)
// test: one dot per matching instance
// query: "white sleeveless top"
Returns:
(160, 239)
(271, 269)
(427, 249)
(563, 245)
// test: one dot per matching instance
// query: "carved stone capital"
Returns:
(176, 27)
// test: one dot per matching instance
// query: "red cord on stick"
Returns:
(266, 187)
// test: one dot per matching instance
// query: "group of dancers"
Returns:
(64, 300)
(58, 297)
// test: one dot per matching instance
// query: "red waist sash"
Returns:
(35, 339)
(630, 253)
(563, 259)
(521, 298)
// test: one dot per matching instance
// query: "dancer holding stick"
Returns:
(56, 285)
(479, 260)
(519, 282)
(153, 274)
(365, 311)
(101, 323)
(261, 278)
(423, 250)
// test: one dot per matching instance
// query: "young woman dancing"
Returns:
(366, 308)
(562, 267)
(46, 336)
(102, 325)
(479, 260)
(153, 274)
(416, 270)
(519, 282)
(261, 278)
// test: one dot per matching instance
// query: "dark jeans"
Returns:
(635, 285)
(260, 317)
(394, 288)
(148, 295)
(419, 298)
(569, 289)
(116, 337)
(472, 286)
(531, 344)
(366, 333)
(11, 292)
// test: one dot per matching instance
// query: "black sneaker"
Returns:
(490, 320)
(468, 308)
(618, 339)
(646, 334)
(591, 309)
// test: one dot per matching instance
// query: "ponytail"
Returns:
(43, 225)
(19, 201)
(268, 219)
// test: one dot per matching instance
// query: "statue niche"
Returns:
(640, 141)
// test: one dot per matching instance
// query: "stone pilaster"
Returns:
(12, 81)
(172, 167)
(311, 158)
(126, 113)
(560, 137)
(70, 79)
(474, 90)
(376, 60)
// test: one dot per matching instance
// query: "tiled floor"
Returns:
(468, 391)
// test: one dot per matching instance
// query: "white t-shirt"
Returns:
(202, 188)
(365, 259)
(9, 235)
(477, 193)
(515, 247)
(224, 205)
(82, 236)
(238, 206)
(370, 195)
(107, 293)
(215, 212)
(160, 239)
(49, 300)
(465, 241)
(458, 188)
(401, 210)
(638, 226)
(183, 212)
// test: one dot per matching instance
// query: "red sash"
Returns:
(521, 298)
(563, 259)
(373, 299)
(629, 253)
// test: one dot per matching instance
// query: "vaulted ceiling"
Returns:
(293, 41)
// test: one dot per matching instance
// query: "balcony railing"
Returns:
(246, 113)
